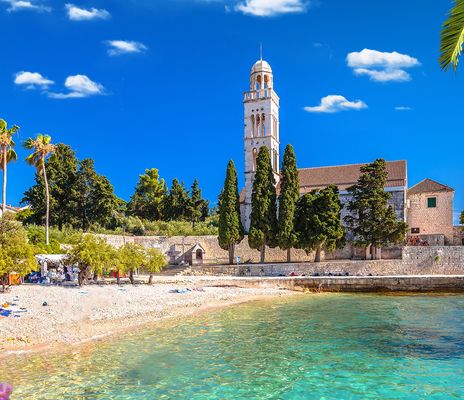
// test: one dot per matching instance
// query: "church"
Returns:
(262, 128)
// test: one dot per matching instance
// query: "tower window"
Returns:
(255, 155)
(431, 202)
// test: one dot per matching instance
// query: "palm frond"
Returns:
(29, 144)
(3, 125)
(452, 37)
(11, 155)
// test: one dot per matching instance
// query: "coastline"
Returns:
(76, 316)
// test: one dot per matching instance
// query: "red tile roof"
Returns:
(429, 186)
(344, 176)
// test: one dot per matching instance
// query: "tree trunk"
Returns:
(317, 258)
(118, 278)
(231, 253)
(3, 283)
(4, 164)
(131, 276)
(150, 279)
(263, 253)
(289, 255)
(47, 210)
(95, 276)
(372, 253)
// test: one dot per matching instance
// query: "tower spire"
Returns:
(261, 51)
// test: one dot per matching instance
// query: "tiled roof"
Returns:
(344, 176)
(429, 186)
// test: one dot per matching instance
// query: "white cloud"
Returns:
(85, 14)
(25, 5)
(269, 8)
(79, 86)
(381, 66)
(32, 80)
(403, 108)
(117, 47)
(396, 75)
(335, 103)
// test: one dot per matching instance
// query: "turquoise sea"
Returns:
(327, 346)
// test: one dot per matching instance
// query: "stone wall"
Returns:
(430, 221)
(458, 235)
(177, 248)
(440, 260)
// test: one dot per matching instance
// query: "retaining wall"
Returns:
(176, 247)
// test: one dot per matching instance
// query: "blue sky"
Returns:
(138, 84)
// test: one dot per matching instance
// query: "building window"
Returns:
(415, 230)
(431, 202)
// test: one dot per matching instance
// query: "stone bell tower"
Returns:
(261, 106)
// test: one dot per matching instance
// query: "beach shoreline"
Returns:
(75, 316)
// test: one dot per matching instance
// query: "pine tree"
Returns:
(319, 225)
(176, 204)
(372, 220)
(231, 230)
(263, 205)
(289, 193)
(150, 192)
(62, 175)
(196, 203)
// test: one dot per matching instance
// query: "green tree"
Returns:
(318, 221)
(176, 204)
(92, 255)
(61, 170)
(96, 201)
(263, 205)
(289, 194)
(42, 148)
(231, 230)
(461, 218)
(130, 257)
(198, 207)
(154, 262)
(372, 220)
(150, 192)
(452, 37)
(7, 153)
(16, 254)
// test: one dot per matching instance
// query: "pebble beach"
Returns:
(52, 316)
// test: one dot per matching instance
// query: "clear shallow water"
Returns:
(330, 346)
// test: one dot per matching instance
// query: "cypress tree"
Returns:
(289, 193)
(318, 221)
(263, 205)
(196, 203)
(231, 230)
(372, 220)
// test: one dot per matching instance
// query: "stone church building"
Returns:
(261, 123)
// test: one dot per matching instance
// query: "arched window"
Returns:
(259, 82)
(263, 125)
(252, 118)
(274, 128)
(258, 125)
(255, 155)
(266, 81)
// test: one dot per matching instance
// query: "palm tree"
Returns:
(452, 37)
(7, 153)
(42, 148)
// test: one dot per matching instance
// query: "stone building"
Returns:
(261, 123)
(430, 211)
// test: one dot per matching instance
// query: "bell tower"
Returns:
(261, 106)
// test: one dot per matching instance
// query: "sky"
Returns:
(138, 84)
